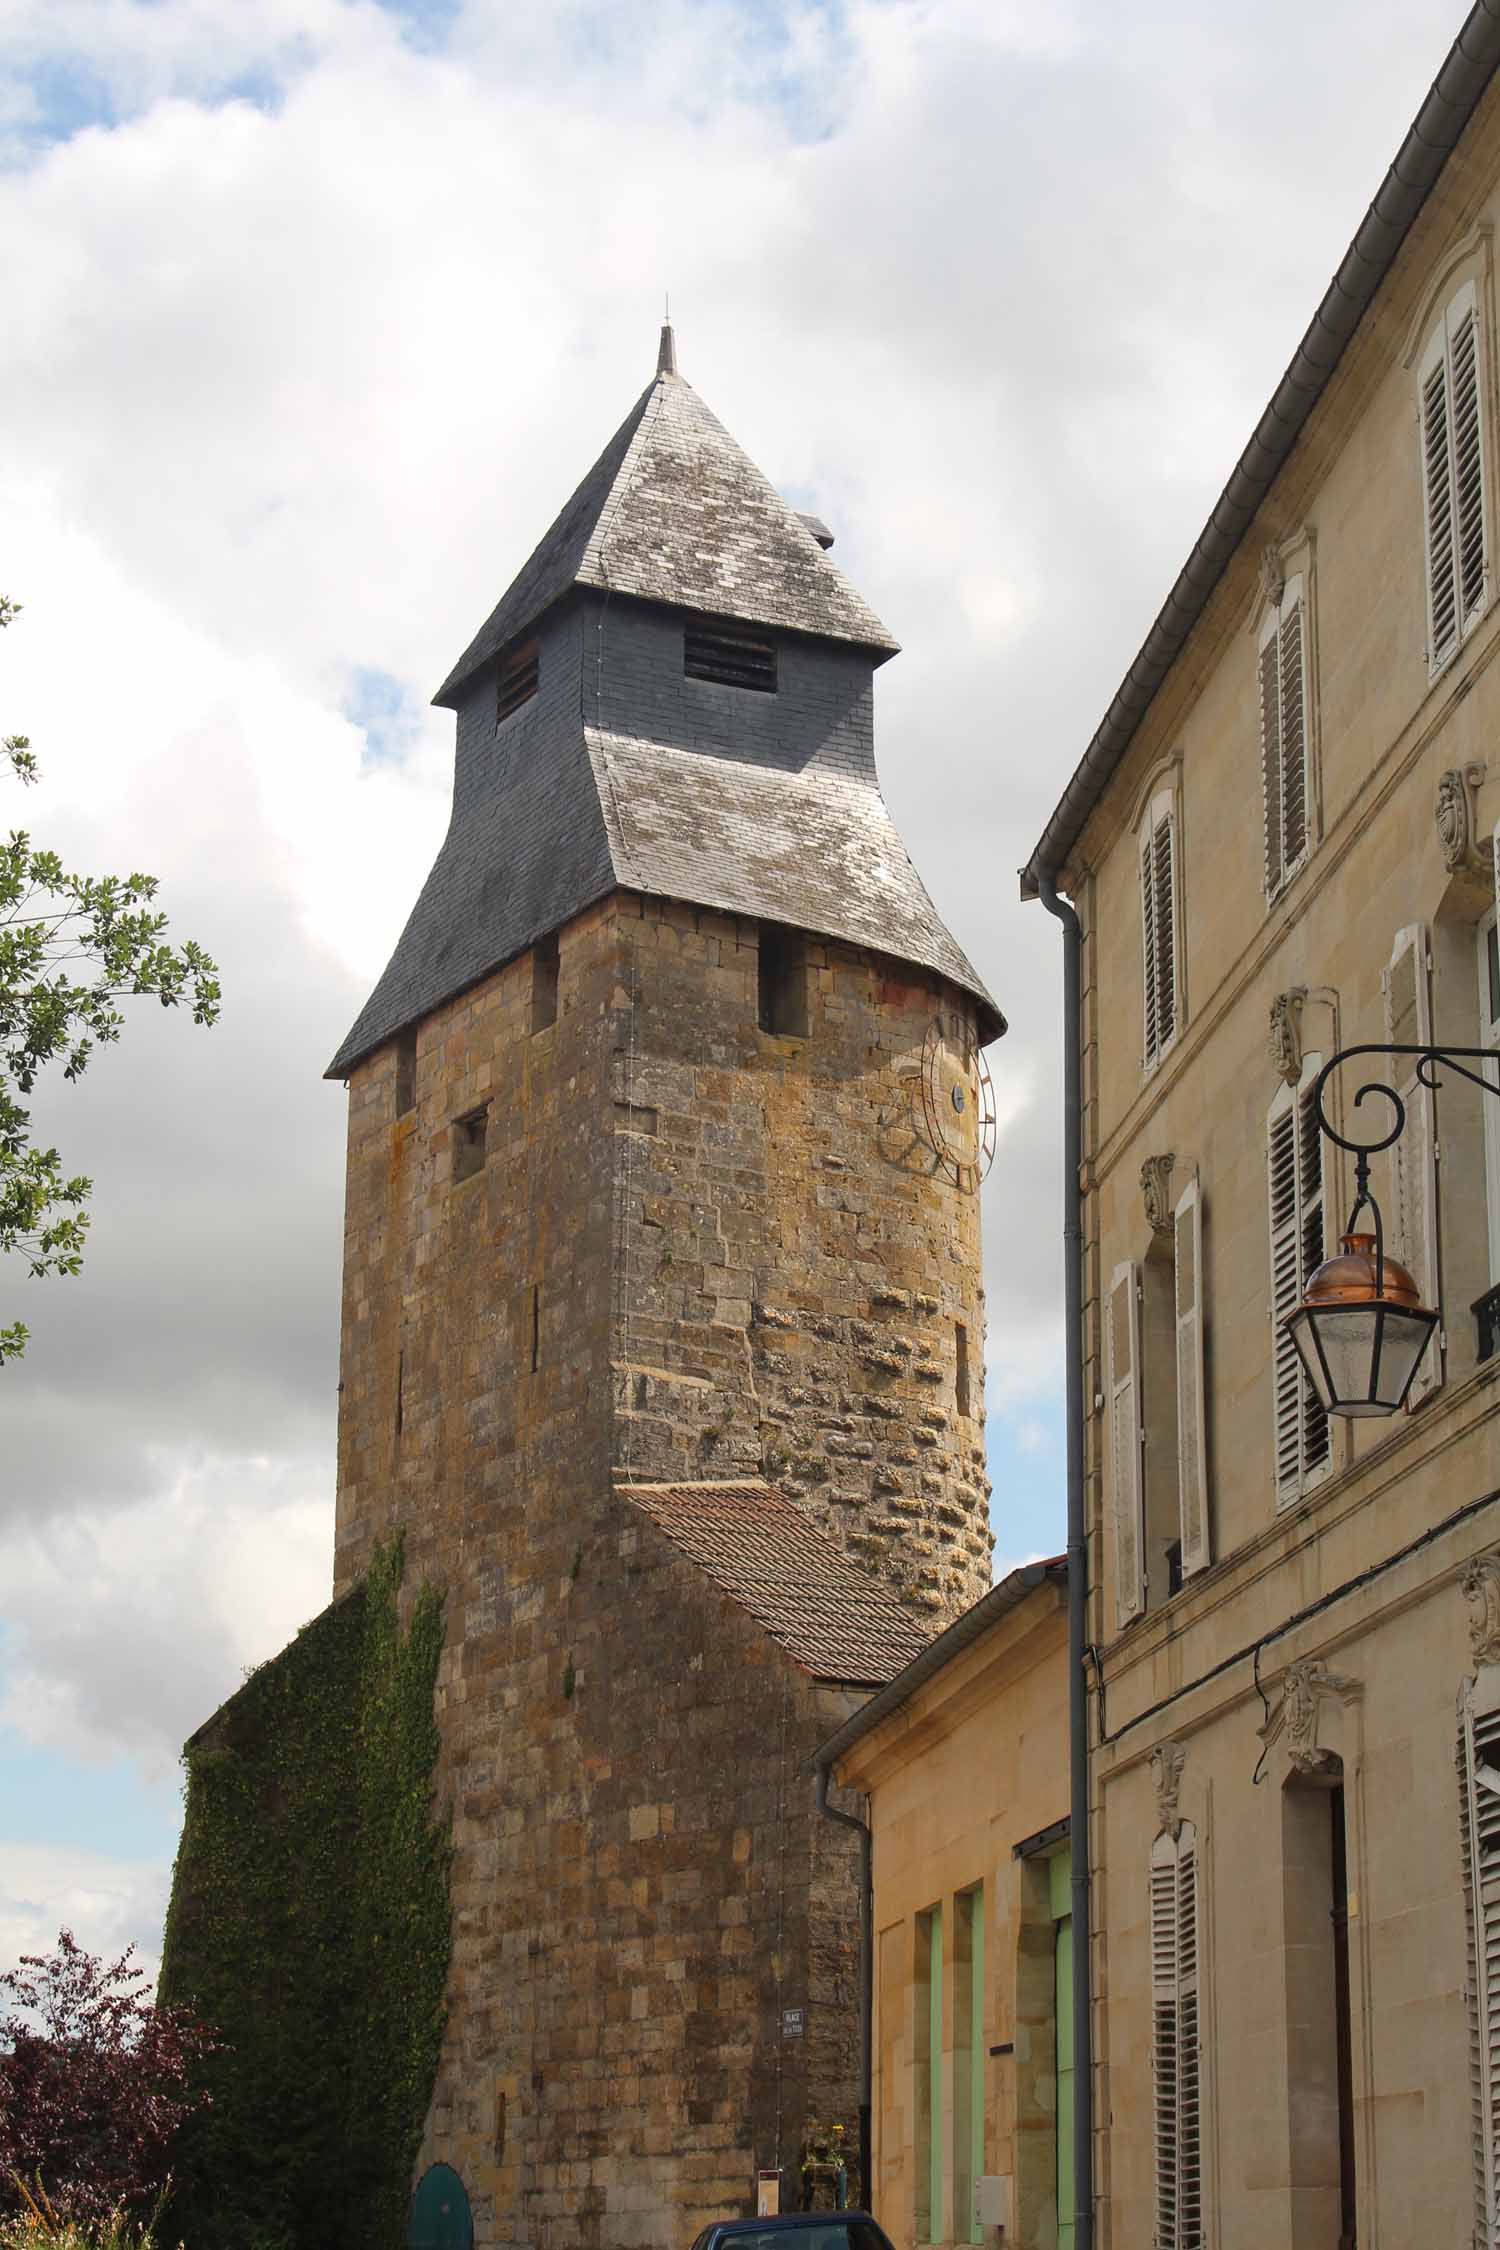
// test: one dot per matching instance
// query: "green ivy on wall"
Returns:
(310, 1926)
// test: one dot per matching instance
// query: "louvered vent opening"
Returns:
(1479, 1762)
(520, 669)
(734, 659)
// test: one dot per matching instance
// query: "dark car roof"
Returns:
(792, 2222)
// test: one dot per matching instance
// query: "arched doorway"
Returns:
(440, 2216)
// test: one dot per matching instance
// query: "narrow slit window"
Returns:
(406, 1072)
(400, 1394)
(544, 974)
(783, 982)
(961, 1373)
(520, 672)
(729, 656)
(470, 1134)
(536, 1328)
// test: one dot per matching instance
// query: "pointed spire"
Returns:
(666, 358)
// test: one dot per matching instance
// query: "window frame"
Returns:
(1159, 817)
(1463, 306)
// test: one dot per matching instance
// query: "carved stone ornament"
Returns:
(1284, 1042)
(1272, 575)
(1456, 814)
(1156, 1187)
(1167, 1761)
(1307, 1686)
(1481, 1585)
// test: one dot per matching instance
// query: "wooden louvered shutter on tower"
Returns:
(1192, 1442)
(1479, 1810)
(1126, 1496)
(1174, 2041)
(1414, 1166)
(1451, 421)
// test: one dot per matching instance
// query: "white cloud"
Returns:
(289, 384)
(107, 1903)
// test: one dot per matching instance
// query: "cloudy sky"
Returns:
(315, 311)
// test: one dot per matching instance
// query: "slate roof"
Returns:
(674, 511)
(768, 1555)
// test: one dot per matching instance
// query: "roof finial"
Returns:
(666, 358)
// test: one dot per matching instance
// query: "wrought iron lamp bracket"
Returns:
(1429, 1060)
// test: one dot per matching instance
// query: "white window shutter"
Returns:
(1450, 405)
(1479, 1806)
(1126, 1495)
(1435, 418)
(1468, 456)
(1192, 1441)
(1414, 1218)
(1175, 2040)
(1294, 1165)
(1489, 1036)
(1270, 751)
(1293, 696)
(1159, 923)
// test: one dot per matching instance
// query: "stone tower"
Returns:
(662, 1331)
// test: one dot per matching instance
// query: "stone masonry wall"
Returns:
(641, 1881)
(793, 1265)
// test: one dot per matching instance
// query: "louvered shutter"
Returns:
(1294, 1163)
(1451, 421)
(1283, 735)
(1270, 749)
(1489, 1036)
(1479, 1791)
(1174, 2041)
(1293, 692)
(1126, 1497)
(1192, 1443)
(1408, 1023)
(1159, 924)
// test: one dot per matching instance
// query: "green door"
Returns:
(1060, 1870)
(440, 2217)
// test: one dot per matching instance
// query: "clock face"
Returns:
(958, 1101)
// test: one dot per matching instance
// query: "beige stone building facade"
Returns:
(1283, 843)
(963, 1761)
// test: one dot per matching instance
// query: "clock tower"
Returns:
(663, 1331)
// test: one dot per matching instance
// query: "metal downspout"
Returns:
(1078, 1708)
(866, 1977)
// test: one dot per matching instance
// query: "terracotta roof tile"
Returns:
(768, 1554)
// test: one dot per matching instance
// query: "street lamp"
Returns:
(1361, 1328)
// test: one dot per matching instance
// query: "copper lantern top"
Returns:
(1351, 1278)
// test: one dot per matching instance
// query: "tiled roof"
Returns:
(674, 511)
(767, 1554)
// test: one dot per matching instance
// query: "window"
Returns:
(1158, 1470)
(1159, 923)
(968, 2060)
(1413, 1221)
(1479, 1809)
(729, 655)
(1449, 395)
(928, 2090)
(1319, 2010)
(545, 966)
(469, 1134)
(782, 982)
(1294, 1160)
(1284, 735)
(406, 1071)
(1174, 2040)
(1489, 1036)
(520, 671)
(961, 1398)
